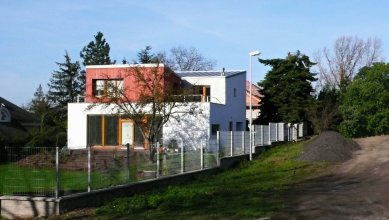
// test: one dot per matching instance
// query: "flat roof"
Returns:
(124, 65)
(226, 73)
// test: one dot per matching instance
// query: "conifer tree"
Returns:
(95, 53)
(39, 105)
(287, 89)
(145, 56)
(64, 86)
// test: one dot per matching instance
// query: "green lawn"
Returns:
(22, 180)
(253, 190)
(18, 180)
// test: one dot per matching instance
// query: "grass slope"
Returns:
(252, 190)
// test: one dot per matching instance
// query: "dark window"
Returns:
(239, 126)
(234, 92)
(94, 130)
(208, 91)
(230, 127)
(111, 130)
(214, 129)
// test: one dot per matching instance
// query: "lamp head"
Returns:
(255, 53)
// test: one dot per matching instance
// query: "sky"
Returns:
(34, 34)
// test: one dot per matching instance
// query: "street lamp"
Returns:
(252, 54)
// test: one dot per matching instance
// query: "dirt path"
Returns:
(355, 189)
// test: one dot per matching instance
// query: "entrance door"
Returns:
(127, 133)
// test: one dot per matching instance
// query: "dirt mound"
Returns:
(329, 146)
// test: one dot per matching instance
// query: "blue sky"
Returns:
(34, 34)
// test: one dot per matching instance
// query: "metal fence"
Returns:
(45, 171)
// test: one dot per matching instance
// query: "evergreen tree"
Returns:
(39, 105)
(287, 89)
(95, 53)
(145, 56)
(51, 125)
(64, 86)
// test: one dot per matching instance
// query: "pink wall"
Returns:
(131, 87)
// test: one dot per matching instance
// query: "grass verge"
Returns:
(252, 190)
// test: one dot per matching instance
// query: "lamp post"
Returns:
(252, 54)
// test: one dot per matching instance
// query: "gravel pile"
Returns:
(329, 146)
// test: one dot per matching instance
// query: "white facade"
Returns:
(225, 110)
(77, 122)
(227, 97)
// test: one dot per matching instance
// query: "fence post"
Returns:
(254, 133)
(89, 168)
(202, 156)
(231, 144)
(276, 132)
(269, 134)
(57, 172)
(251, 142)
(157, 145)
(288, 131)
(218, 147)
(128, 162)
(262, 136)
(182, 158)
(243, 142)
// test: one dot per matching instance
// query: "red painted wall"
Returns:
(131, 87)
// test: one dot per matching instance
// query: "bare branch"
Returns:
(349, 55)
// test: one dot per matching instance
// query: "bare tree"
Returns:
(338, 68)
(157, 99)
(186, 59)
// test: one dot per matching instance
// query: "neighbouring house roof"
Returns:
(21, 120)
(256, 95)
(226, 73)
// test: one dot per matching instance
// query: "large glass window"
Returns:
(111, 130)
(94, 130)
(102, 130)
(138, 137)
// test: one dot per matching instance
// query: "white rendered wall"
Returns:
(77, 123)
(256, 113)
(225, 107)
(189, 128)
(235, 108)
(216, 83)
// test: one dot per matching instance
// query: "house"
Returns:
(255, 101)
(15, 123)
(216, 99)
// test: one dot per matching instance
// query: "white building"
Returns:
(218, 97)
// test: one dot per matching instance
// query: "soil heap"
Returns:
(329, 146)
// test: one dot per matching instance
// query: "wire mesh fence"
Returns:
(28, 171)
(33, 172)
(50, 171)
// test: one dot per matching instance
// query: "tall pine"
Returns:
(39, 105)
(287, 89)
(146, 56)
(95, 53)
(64, 85)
